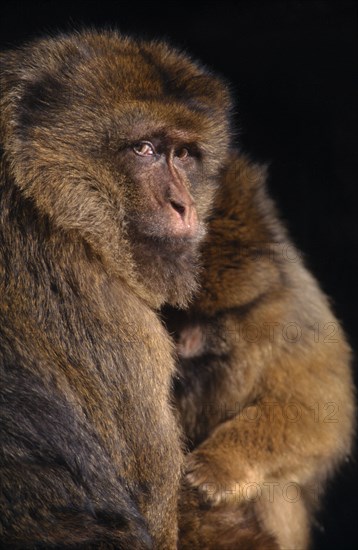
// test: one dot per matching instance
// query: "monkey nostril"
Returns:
(178, 207)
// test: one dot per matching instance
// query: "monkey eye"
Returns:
(144, 149)
(182, 153)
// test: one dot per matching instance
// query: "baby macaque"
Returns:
(264, 391)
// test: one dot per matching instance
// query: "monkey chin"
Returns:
(169, 266)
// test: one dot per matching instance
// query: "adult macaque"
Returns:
(264, 392)
(110, 153)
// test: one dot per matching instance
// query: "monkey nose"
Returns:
(184, 219)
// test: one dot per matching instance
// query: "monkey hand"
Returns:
(218, 477)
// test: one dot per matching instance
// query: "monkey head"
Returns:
(119, 141)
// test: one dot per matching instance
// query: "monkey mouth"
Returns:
(177, 232)
(168, 266)
(167, 245)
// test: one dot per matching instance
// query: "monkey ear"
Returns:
(44, 158)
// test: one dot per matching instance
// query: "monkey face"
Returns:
(163, 173)
(120, 141)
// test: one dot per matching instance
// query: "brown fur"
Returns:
(225, 527)
(265, 392)
(91, 452)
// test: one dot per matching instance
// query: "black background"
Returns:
(292, 66)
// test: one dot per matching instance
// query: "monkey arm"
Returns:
(292, 424)
(262, 444)
(267, 403)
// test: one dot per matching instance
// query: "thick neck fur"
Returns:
(36, 258)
